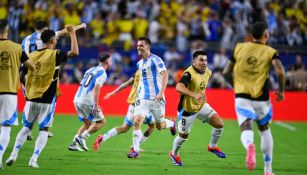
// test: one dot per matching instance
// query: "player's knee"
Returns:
(159, 127)
(264, 127)
(247, 125)
(184, 136)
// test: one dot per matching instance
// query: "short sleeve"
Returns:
(23, 57)
(101, 79)
(61, 57)
(185, 79)
(159, 64)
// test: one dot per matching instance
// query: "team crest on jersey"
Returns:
(161, 65)
(4, 58)
(251, 65)
(202, 86)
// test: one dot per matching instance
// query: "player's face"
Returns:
(142, 47)
(200, 62)
(109, 63)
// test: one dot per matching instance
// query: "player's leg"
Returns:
(28, 119)
(45, 119)
(264, 118)
(8, 117)
(208, 115)
(246, 115)
(158, 112)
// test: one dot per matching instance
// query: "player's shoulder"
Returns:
(155, 57)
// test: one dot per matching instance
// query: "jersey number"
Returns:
(144, 74)
(87, 79)
(183, 122)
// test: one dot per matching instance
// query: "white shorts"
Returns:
(129, 119)
(185, 123)
(260, 111)
(86, 112)
(144, 107)
(42, 112)
(8, 110)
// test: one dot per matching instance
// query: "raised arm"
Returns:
(74, 50)
(64, 31)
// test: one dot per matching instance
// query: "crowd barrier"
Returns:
(294, 108)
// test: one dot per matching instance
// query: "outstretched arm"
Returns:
(64, 31)
(118, 89)
(74, 50)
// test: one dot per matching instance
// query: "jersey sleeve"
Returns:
(25, 45)
(159, 64)
(185, 79)
(101, 79)
(23, 57)
(61, 57)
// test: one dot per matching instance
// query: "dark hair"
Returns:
(3, 25)
(258, 28)
(47, 35)
(147, 40)
(104, 57)
(39, 25)
(198, 52)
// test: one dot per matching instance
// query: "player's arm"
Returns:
(121, 87)
(64, 31)
(96, 93)
(227, 72)
(74, 50)
(27, 62)
(181, 87)
(281, 77)
(164, 79)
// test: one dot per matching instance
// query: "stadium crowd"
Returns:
(182, 25)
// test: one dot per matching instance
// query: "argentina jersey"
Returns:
(32, 43)
(93, 76)
(150, 82)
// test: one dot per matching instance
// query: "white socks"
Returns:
(20, 140)
(168, 123)
(40, 144)
(267, 149)
(247, 137)
(143, 139)
(4, 140)
(111, 133)
(137, 136)
(85, 134)
(215, 136)
(177, 144)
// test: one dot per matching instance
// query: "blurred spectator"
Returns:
(172, 57)
(220, 59)
(153, 32)
(78, 72)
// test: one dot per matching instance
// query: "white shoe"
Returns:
(82, 143)
(74, 147)
(50, 134)
(33, 163)
(10, 161)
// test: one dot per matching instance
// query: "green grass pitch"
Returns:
(290, 152)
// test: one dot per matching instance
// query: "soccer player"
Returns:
(41, 92)
(34, 42)
(150, 99)
(87, 102)
(193, 104)
(129, 119)
(11, 56)
(250, 67)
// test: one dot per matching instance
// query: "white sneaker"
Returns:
(10, 161)
(82, 143)
(33, 163)
(74, 147)
(50, 134)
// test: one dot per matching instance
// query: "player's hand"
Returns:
(199, 97)
(96, 109)
(108, 95)
(280, 96)
(159, 97)
(69, 28)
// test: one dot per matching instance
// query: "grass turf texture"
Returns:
(290, 152)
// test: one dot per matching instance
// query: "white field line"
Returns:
(285, 125)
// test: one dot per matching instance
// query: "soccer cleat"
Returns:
(10, 161)
(175, 159)
(33, 163)
(74, 147)
(29, 137)
(173, 129)
(98, 142)
(217, 151)
(82, 143)
(50, 134)
(133, 155)
(251, 157)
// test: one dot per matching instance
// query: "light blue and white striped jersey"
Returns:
(150, 83)
(33, 42)
(93, 76)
